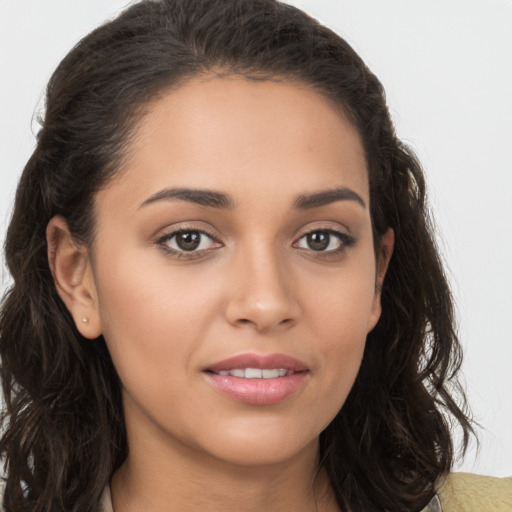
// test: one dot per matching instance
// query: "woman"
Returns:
(225, 281)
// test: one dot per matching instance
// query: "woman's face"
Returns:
(234, 277)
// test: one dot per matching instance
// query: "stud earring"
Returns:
(85, 319)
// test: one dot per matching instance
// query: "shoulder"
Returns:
(467, 492)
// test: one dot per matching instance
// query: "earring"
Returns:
(85, 319)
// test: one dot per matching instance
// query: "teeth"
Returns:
(256, 373)
(253, 373)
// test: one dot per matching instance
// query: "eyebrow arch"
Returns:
(202, 197)
(324, 197)
(215, 199)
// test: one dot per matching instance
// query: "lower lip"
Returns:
(258, 391)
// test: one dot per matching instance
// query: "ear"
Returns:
(73, 277)
(387, 242)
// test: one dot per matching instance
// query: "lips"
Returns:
(258, 380)
(256, 373)
(268, 362)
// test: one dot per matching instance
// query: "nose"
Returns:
(261, 291)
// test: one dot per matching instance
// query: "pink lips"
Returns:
(258, 391)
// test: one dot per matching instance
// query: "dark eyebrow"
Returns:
(202, 197)
(324, 197)
(215, 199)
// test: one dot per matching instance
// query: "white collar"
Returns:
(106, 501)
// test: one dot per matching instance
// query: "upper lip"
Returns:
(264, 362)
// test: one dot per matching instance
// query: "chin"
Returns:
(260, 446)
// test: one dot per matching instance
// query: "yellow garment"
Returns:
(467, 492)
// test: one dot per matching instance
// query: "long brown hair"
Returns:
(63, 427)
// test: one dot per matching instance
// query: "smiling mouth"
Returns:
(258, 379)
(255, 366)
(256, 373)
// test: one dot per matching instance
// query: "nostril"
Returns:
(263, 313)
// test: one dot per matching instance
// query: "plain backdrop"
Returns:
(447, 69)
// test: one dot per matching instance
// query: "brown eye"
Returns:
(325, 240)
(318, 240)
(188, 240)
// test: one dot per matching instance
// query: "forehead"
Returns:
(245, 135)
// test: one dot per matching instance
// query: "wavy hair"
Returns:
(63, 431)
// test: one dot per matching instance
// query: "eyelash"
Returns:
(190, 255)
(345, 240)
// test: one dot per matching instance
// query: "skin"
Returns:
(256, 286)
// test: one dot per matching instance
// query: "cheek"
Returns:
(344, 302)
(150, 314)
(153, 323)
(344, 309)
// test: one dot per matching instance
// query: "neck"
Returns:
(173, 477)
